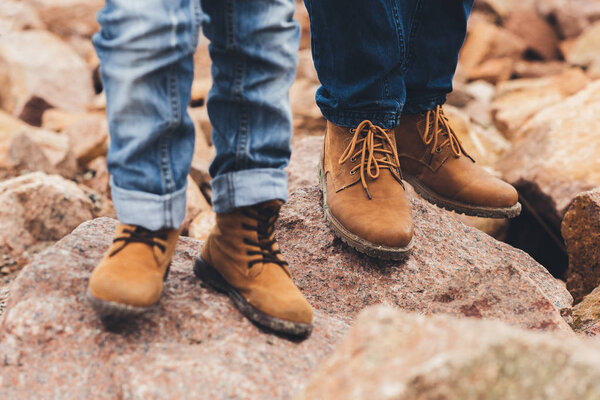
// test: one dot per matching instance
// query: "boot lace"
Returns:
(441, 127)
(265, 228)
(368, 142)
(141, 235)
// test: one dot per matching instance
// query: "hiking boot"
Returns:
(436, 164)
(129, 279)
(363, 195)
(241, 258)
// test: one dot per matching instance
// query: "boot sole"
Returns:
(462, 208)
(113, 309)
(355, 242)
(212, 277)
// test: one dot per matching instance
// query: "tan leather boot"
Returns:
(241, 258)
(129, 279)
(436, 164)
(363, 196)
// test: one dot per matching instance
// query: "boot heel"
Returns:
(210, 276)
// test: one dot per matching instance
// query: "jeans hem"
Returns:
(351, 118)
(247, 188)
(416, 105)
(149, 210)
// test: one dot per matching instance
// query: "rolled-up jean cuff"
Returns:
(247, 188)
(351, 118)
(149, 210)
(421, 104)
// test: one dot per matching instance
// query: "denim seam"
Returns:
(197, 13)
(414, 26)
(401, 42)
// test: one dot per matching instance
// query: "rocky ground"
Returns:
(526, 105)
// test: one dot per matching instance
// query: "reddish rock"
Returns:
(69, 17)
(558, 155)
(16, 15)
(307, 117)
(97, 177)
(453, 269)
(202, 224)
(484, 42)
(494, 70)
(585, 50)
(39, 71)
(37, 209)
(581, 232)
(586, 314)
(35, 149)
(390, 355)
(535, 31)
(518, 100)
(195, 204)
(195, 344)
(303, 169)
(89, 136)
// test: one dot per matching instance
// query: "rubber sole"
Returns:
(113, 309)
(213, 278)
(354, 241)
(462, 208)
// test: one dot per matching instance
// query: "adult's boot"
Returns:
(242, 259)
(436, 164)
(363, 195)
(129, 279)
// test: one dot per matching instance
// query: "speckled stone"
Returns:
(586, 314)
(581, 231)
(557, 157)
(453, 269)
(389, 355)
(195, 345)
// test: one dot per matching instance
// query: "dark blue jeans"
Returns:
(378, 58)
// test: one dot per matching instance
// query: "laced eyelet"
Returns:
(438, 149)
(352, 172)
(353, 159)
(352, 130)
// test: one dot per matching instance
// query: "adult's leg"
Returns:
(433, 159)
(146, 52)
(359, 48)
(439, 29)
(360, 52)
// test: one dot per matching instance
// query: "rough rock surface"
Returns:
(34, 149)
(558, 155)
(518, 100)
(39, 71)
(37, 208)
(581, 232)
(392, 355)
(303, 169)
(586, 314)
(195, 345)
(453, 269)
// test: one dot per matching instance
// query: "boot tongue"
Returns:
(269, 207)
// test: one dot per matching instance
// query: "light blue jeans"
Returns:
(146, 51)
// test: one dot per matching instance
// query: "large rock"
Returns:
(39, 71)
(37, 209)
(535, 31)
(516, 101)
(195, 345)
(581, 232)
(392, 355)
(558, 155)
(35, 149)
(586, 314)
(69, 17)
(585, 50)
(453, 269)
